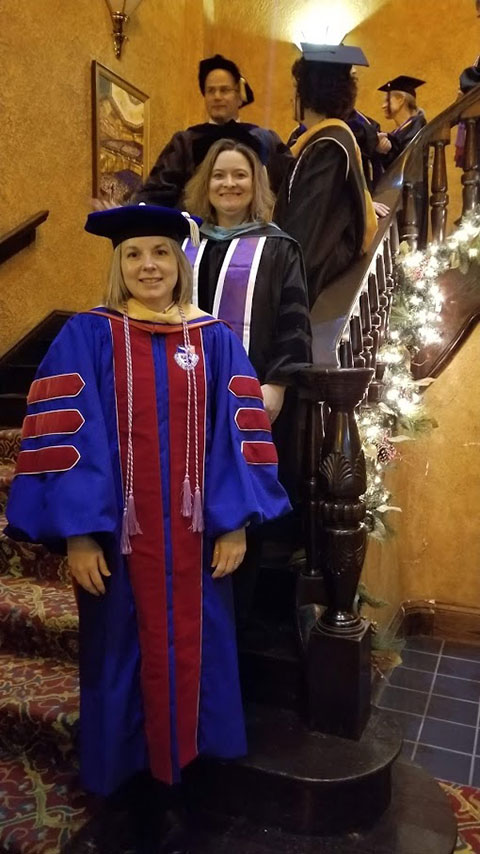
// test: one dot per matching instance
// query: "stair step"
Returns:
(17, 378)
(38, 618)
(7, 472)
(271, 669)
(29, 559)
(303, 781)
(38, 706)
(42, 805)
(9, 445)
(12, 409)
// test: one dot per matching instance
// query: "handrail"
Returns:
(337, 303)
(409, 165)
(21, 236)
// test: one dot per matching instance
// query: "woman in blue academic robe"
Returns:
(146, 451)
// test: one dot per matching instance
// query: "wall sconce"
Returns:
(120, 11)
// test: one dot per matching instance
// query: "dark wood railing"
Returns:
(21, 236)
(350, 322)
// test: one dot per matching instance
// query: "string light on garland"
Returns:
(415, 323)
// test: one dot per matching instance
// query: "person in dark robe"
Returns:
(469, 78)
(146, 451)
(324, 202)
(251, 274)
(225, 93)
(365, 131)
(400, 105)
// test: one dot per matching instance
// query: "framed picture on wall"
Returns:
(121, 125)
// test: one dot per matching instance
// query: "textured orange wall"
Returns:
(45, 162)
(435, 553)
(45, 155)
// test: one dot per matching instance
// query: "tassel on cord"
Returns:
(186, 497)
(197, 518)
(243, 89)
(125, 545)
(194, 229)
(186, 504)
(130, 525)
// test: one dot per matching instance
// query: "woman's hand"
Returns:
(229, 552)
(87, 564)
(273, 399)
(384, 145)
(381, 209)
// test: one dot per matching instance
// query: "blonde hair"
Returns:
(410, 100)
(196, 197)
(117, 292)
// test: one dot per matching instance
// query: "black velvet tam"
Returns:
(140, 220)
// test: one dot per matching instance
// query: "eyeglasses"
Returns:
(222, 90)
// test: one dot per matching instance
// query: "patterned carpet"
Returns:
(41, 804)
(465, 802)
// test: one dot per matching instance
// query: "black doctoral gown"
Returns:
(322, 205)
(280, 336)
(402, 136)
(176, 163)
(365, 131)
(280, 333)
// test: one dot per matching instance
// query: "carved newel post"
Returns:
(339, 646)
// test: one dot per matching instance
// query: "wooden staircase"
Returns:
(299, 791)
(18, 367)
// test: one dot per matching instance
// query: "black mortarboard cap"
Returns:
(238, 131)
(219, 61)
(336, 54)
(403, 83)
(140, 220)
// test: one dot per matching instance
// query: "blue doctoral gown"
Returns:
(158, 662)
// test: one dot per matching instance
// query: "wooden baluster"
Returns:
(439, 197)
(409, 219)
(357, 342)
(382, 295)
(390, 277)
(471, 173)
(394, 241)
(345, 353)
(339, 696)
(366, 323)
(375, 388)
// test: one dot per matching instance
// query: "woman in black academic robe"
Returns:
(323, 201)
(250, 273)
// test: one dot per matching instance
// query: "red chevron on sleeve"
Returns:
(56, 421)
(243, 386)
(252, 419)
(50, 388)
(260, 453)
(56, 458)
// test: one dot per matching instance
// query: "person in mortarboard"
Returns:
(469, 78)
(324, 202)
(225, 92)
(146, 451)
(400, 105)
(365, 131)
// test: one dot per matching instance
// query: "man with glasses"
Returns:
(225, 92)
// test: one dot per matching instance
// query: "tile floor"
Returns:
(436, 695)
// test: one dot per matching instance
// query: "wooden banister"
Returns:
(21, 236)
